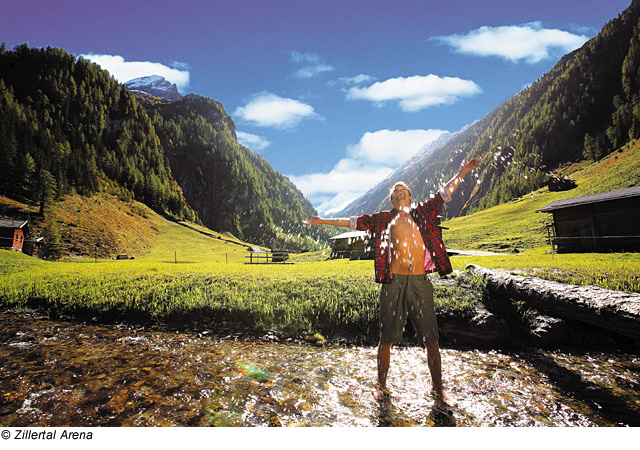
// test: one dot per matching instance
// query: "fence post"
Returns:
(175, 257)
(226, 258)
(95, 254)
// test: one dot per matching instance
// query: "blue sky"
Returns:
(334, 94)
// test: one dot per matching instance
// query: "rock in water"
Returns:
(483, 329)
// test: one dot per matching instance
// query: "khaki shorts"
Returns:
(408, 294)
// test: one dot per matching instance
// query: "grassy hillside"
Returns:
(107, 226)
(516, 226)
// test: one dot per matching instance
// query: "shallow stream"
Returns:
(67, 374)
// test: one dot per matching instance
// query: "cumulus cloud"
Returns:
(124, 71)
(351, 81)
(362, 78)
(391, 147)
(417, 92)
(529, 42)
(314, 65)
(253, 141)
(373, 158)
(269, 110)
(345, 179)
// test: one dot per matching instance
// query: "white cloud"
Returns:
(308, 58)
(124, 71)
(351, 81)
(362, 78)
(369, 161)
(314, 66)
(312, 71)
(253, 141)
(391, 147)
(529, 42)
(417, 92)
(344, 177)
(269, 110)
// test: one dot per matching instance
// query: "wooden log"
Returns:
(618, 311)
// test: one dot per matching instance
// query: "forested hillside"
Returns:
(67, 127)
(587, 106)
(233, 188)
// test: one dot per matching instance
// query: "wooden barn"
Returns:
(352, 245)
(604, 222)
(13, 233)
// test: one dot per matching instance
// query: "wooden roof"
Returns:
(11, 223)
(349, 234)
(593, 198)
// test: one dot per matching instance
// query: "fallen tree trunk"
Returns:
(617, 311)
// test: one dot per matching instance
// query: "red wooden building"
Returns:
(13, 233)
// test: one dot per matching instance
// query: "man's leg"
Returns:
(433, 361)
(384, 358)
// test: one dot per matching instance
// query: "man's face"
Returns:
(400, 197)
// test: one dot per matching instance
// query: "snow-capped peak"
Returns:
(154, 85)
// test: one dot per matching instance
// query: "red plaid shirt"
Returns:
(424, 215)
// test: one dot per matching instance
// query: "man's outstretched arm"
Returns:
(452, 185)
(315, 220)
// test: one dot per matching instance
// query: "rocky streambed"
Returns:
(508, 362)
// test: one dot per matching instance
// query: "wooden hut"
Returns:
(13, 233)
(357, 244)
(609, 221)
(352, 245)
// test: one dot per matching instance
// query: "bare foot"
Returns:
(382, 393)
(441, 397)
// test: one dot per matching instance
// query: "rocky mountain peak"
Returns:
(154, 85)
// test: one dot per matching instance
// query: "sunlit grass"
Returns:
(177, 243)
(615, 271)
(193, 275)
(517, 226)
(508, 227)
(302, 299)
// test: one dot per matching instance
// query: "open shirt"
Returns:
(425, 216)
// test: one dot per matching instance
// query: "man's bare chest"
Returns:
(404, 231)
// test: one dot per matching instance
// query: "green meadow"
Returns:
(309, 298)
(187, 276)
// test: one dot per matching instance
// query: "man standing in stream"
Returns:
(407, 246)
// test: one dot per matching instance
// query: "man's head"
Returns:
(400, 194)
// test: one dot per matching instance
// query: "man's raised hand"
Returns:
(468, 166)
(315, 220)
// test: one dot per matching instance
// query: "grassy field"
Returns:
(310, 298)
(187, 275)
(302, 299)
(517, 226)
(615, 271)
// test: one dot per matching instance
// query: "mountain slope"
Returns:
(516, 226)
(232, 188)
(588, 105)
(154, 85)
(67, 127)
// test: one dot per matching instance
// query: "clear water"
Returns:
(59, 374)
